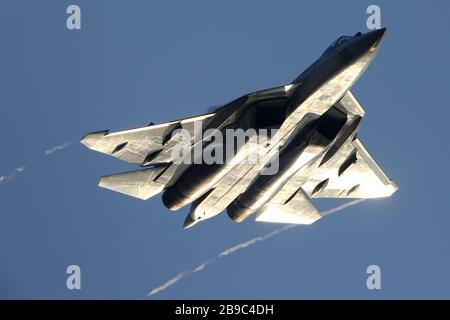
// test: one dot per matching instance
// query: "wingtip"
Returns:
(91, 138)
(189, 222)
(101, 182)
(394, 187)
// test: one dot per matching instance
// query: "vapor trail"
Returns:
(180, 276)
(57, 148)
(21, 168)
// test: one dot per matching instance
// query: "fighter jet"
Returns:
(306, 132)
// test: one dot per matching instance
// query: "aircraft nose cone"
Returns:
(189, 222)
(368, 43)
(375, 37)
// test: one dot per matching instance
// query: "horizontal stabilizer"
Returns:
(141, 184)
(297, 210)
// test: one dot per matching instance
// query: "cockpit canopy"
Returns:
(337, 43)
(340, 41)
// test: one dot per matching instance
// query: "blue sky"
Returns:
(139, 62)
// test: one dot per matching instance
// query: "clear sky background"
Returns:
(136, 62)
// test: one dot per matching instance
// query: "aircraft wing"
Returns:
(141, 146)
(350, 173)
(148, 146)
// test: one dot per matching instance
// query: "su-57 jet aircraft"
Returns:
(314, 122)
